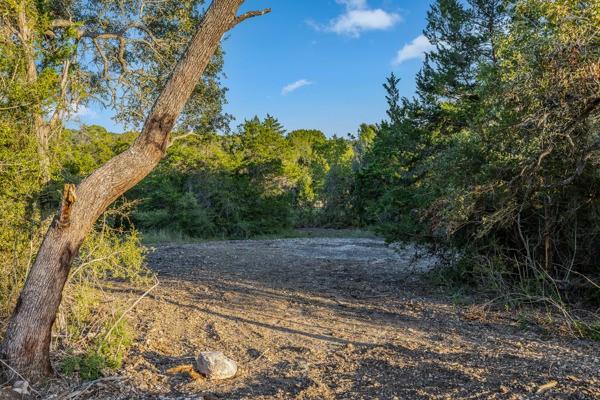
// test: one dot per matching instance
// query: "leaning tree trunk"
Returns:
(26, 345)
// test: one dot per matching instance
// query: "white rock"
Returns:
(21, 387)
(214, 365)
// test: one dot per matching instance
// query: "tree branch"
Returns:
(580, 166)
(121, 55)
(105, 62)
(100, 38)
(64, 23)
(567, 130)
(595, 102)
(175, 138)
(250, 14)
(61, 23)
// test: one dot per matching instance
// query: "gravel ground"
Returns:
(326, 318)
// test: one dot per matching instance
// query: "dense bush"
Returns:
(257, 180)
(498, 155)
(20, 217)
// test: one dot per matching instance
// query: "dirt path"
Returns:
(334, 319)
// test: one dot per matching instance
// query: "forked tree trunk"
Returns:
(26, 345)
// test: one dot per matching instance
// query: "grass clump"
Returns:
(520, 286)
(588, 330)
(102, 355)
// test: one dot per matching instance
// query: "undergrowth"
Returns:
(92, 330)
(520, 287)
(91, 335)
(102, 355)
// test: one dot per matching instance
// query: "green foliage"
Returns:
(498, 155)
(18, 218)
(97, 337)
(239, 190)
(104, 354)
(89, 148)
(110, 253)
(255, 181)
(588, 331)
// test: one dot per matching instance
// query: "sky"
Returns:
(317, 64)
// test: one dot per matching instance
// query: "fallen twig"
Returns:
(74, 395)
(135, 303)
(20, 376)
(547, 386)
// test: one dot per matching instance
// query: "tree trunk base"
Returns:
(29, 359)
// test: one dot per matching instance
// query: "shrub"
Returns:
(102, 355)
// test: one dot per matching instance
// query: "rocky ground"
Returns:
(333, 318)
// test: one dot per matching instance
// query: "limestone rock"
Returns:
(21, 387)
(214, 365)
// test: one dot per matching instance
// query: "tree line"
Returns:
(257, 180)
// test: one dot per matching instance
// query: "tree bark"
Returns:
(26, 345)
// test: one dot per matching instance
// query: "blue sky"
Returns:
(318, 64)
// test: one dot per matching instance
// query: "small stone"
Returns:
(253, 353)
(214, 365)
(21, 387)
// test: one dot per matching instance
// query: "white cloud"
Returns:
(413, 50)
(295, 86)
(358, 18)
(81, 111)
(354, 22)
(353, 4)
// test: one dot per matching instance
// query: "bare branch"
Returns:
(121, 54)
(60, 108)
(98, 39)
(146, 30)
(175, 138)
(104, 58)
(545, 154)
(580, 167)
(595, 102)
(15, 106)
(68, 199)
(64, 23)
(250, 14)
(61, 23)
(569, 128)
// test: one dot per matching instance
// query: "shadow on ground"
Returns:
(323, 325)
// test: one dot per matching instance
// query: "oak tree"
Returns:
(26, 344)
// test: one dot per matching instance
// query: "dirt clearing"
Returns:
(333, 318)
